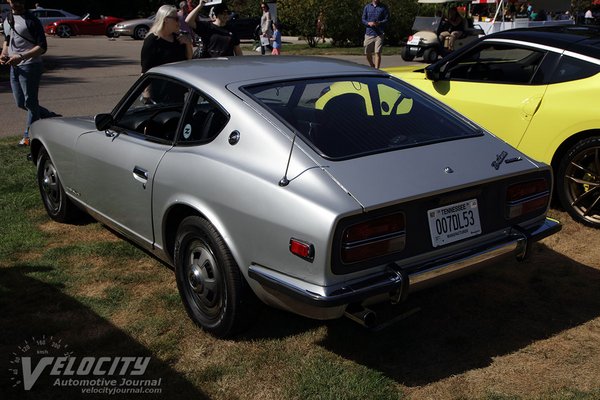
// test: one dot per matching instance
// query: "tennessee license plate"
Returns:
(454, 222)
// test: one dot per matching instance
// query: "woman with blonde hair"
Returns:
(164, 42)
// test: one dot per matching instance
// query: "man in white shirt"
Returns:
(23, 47)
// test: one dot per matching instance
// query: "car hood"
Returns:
(406, 72)
(402, 175)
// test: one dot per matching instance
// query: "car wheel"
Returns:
(57, 204)
(430, 55)
(64, 31)
(110, 31)
(140, 32)
(405, 54)
(214, 292)
(578, 182)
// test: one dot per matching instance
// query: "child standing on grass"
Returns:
(276, 39)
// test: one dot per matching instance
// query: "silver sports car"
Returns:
(136, 28)
(315, 185)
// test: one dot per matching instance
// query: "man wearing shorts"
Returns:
(375, 16)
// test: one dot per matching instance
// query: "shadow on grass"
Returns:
(464, 324)
(30, 308)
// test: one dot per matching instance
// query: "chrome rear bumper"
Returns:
(397, 282)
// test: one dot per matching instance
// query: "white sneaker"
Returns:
(24, 142)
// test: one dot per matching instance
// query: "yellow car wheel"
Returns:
(578, 182)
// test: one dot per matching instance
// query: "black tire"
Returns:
(140, 32)
(64, 31)
(430, 55)
(110, 31)
(214, 292)
(57, 204)
(578, 182)
(405, 54)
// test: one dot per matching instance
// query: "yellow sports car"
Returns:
(539, 90)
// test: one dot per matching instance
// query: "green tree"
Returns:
(343, 19)
(300, 17)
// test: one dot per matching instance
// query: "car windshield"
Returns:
(354, 116)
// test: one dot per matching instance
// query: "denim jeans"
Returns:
(25, 84)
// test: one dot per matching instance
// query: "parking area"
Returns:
(89, 74)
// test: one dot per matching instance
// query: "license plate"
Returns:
(414, 49)
(414, 40)
(454, 222)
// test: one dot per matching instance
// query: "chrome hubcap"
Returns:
(50, 186)
(204, 279)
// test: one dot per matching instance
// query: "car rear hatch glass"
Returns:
(348, 117)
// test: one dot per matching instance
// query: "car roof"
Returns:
(50, 9)
(577, 38)
(220, 72)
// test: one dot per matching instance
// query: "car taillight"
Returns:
(374, 238)
(410, 38)
(523, 198)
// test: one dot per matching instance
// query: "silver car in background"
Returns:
(315, 185)
(50, 15)
(136, 28)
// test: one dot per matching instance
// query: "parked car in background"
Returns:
(536, 89)
(50, 15)
(228, 170)
(136, 28)
(88, 25)
(244, 27)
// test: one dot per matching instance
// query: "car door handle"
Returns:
(530, 106)
(140, 174)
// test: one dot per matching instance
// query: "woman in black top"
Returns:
(164, 44)
(218, 41)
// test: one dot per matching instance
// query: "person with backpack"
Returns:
(24, 44)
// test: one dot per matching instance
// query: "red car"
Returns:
(88, 25)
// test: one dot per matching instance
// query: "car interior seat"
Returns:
(345, 122)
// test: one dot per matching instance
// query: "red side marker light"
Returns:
(302, 249)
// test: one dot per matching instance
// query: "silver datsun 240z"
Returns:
(315, 185)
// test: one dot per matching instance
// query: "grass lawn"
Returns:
(322, 49)
(514, 336)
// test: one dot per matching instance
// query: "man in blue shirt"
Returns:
(375, 16)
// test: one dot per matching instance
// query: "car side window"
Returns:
(203, 121)
(499, 63)
(571, 68)
(154, 109)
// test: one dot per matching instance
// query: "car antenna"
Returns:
(285, 181)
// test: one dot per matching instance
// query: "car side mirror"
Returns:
(436, 72)
(103, 121)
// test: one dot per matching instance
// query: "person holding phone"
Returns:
(164, 42)
(24, 44)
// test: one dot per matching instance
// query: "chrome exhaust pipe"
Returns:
(364, 316)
